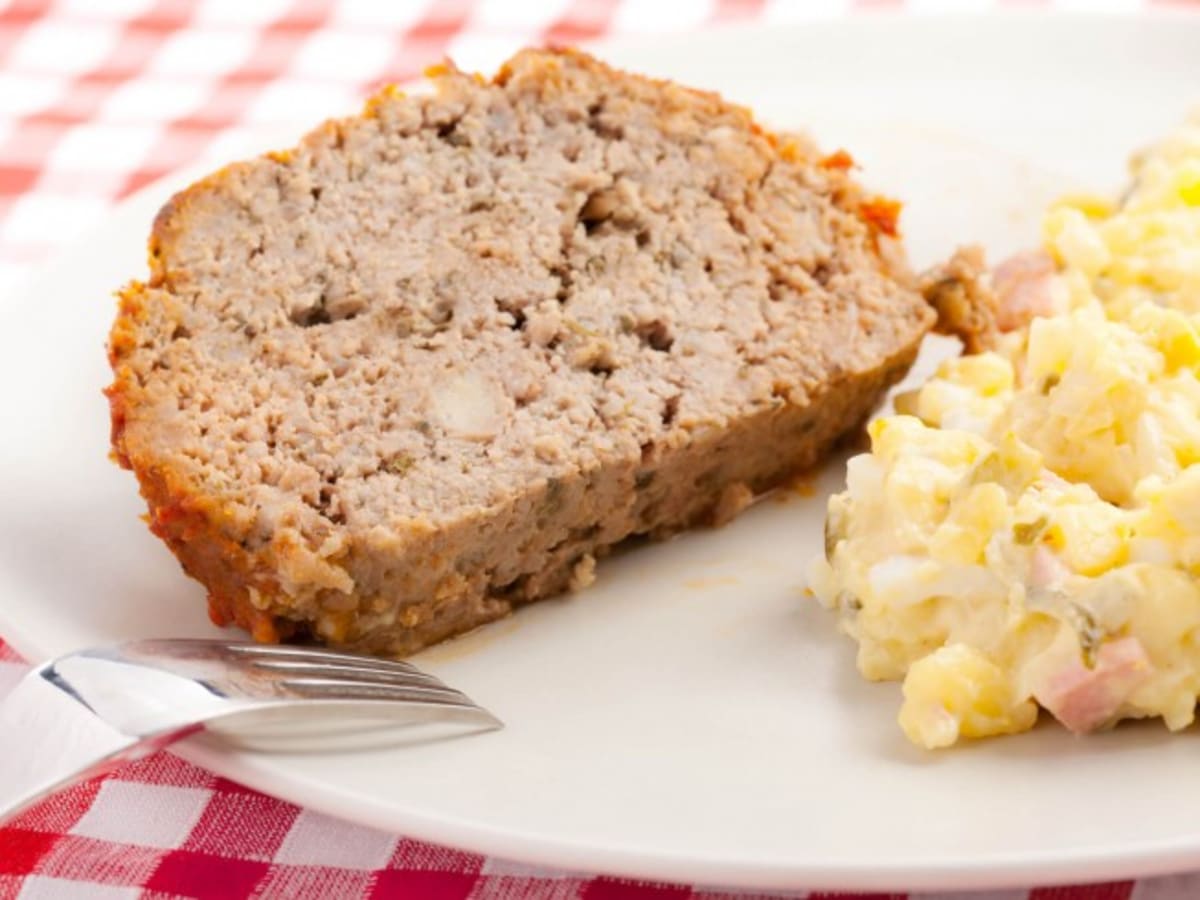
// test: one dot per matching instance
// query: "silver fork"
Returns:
(83, 714)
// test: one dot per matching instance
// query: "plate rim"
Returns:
(1093, 864)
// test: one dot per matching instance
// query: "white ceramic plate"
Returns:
(693, 716)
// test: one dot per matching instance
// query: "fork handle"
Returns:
(49, 741)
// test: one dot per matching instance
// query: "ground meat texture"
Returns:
(961, 292)
(430, 363)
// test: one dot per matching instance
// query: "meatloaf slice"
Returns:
(429, 364)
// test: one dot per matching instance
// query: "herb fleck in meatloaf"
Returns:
(429, 364)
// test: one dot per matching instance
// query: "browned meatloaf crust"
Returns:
(429, 364)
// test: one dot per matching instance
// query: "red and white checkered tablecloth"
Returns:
(99, 97)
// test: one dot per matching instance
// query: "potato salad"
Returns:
(1025, 534)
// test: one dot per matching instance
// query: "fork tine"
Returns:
(348, 688)
(468, 711)
(386, 712)
(348, 669)
(315, 654)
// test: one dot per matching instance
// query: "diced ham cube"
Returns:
(1084, 699)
